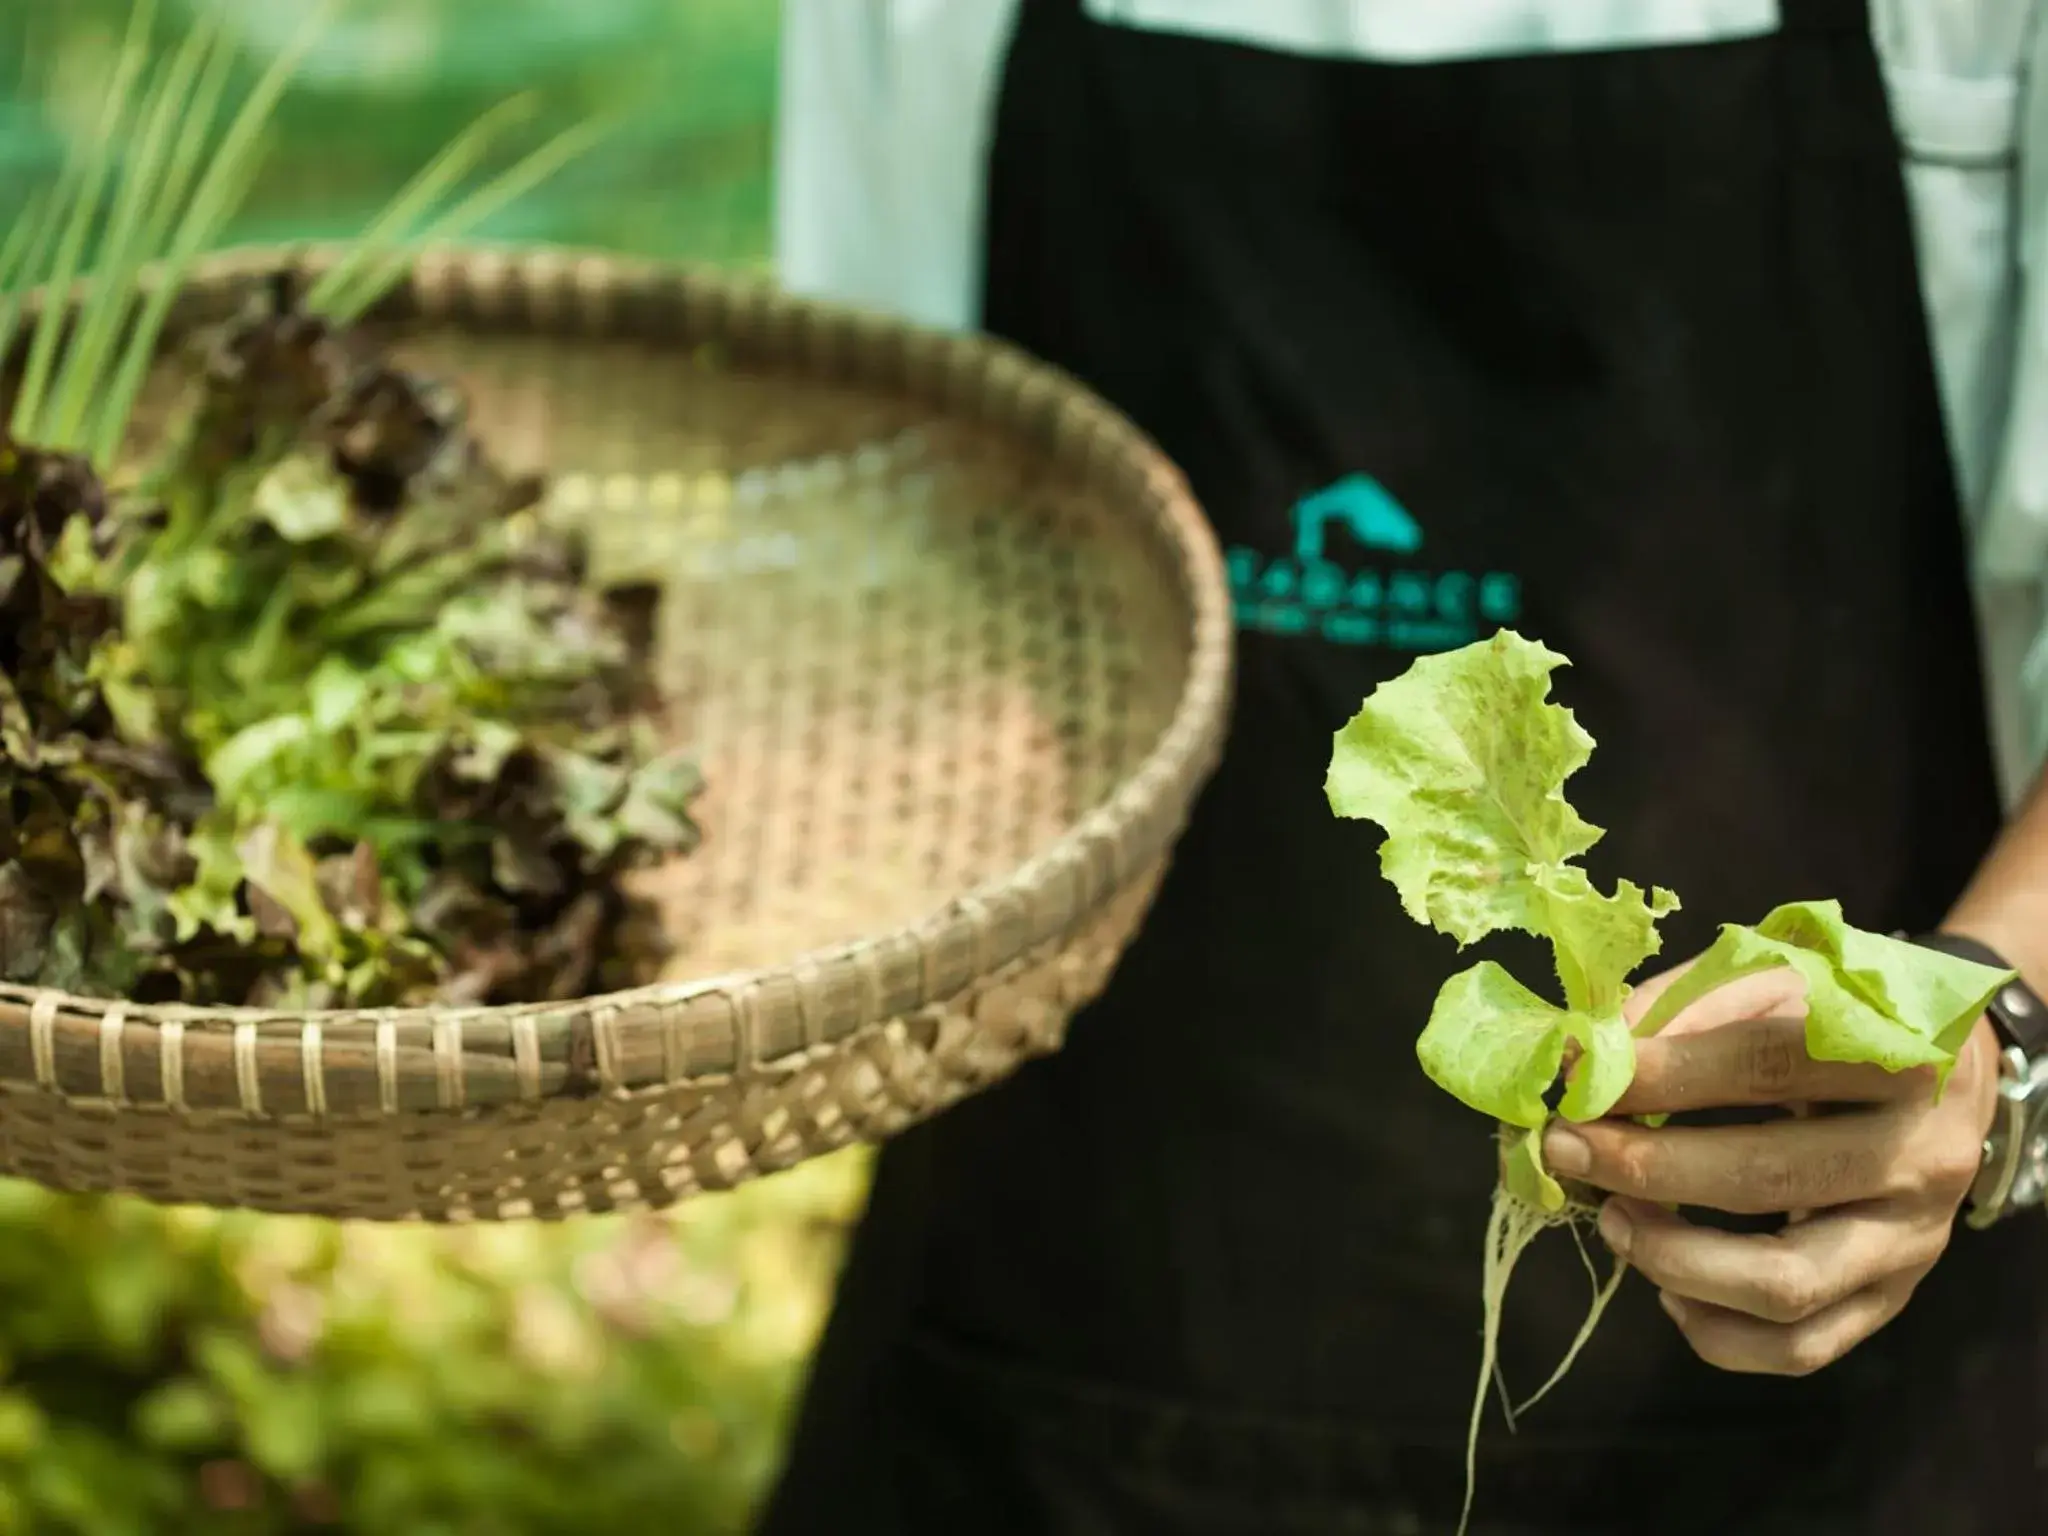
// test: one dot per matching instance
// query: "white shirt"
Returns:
(886, 107)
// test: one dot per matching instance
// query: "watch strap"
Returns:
(2016, 1012)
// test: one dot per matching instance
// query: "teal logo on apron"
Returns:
(1356, 576)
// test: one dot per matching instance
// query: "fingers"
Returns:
(1750, 1346)
(1790, 1165)
(1786, 1277)
(1754, 1061)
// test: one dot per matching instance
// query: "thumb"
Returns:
(1775, 993)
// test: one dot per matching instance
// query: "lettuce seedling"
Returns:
(1462, 761)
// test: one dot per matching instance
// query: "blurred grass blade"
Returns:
(213, 203)
(18, 260)
(478, 206)
(424, 192)
(126, 247)
(94, 158)
(229, 174)
(195, 133)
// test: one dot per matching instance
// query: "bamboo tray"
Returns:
(952, 642)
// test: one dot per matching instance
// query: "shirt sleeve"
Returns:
(2010, 511)
(1972, 133)
(882, 140)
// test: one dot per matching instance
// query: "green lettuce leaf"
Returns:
(1868, 998)
(1522, 1172)
(1498, 1047)
(1463, 760)
(1463, 763)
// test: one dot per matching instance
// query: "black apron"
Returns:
(1623, 348)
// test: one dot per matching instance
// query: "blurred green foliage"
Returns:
(165, 1371)
(685, 174)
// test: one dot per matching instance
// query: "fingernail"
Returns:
(1615, 1228)
(1566, 1152)
(1673, 1307)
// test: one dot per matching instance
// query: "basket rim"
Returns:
(577, 293)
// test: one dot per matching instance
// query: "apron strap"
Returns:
(1809, 17)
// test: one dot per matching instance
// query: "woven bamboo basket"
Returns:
(952, 644)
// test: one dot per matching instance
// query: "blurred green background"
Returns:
(685, 175)
(173, 1371)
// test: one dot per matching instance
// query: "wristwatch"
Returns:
(2014, 1176)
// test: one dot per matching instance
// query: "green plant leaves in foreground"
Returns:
(171, 1372)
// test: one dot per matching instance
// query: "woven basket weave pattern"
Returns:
(952, 644)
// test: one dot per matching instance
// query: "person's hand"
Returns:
(1873, 1187)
